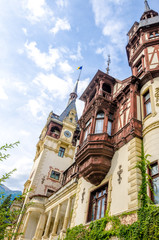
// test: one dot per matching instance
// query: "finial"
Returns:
(108, 61)
(147, 7)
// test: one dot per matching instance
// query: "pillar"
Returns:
(66, 218)
(54, 230)
(48, 224)
(40, 227)
(26, 222)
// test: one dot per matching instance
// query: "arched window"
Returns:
(55, 130)
(106, 88)
(99, 122)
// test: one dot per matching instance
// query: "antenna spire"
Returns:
(147, 7)
(108, 62)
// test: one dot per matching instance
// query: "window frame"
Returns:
(94, 201)
(156, 163)
(149, 88)
(98, 118)
(146, 102)
(61, 152)
(56, 173)
(87, 129)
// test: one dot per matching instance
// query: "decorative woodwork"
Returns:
(95, 152)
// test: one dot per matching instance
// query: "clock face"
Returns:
(67, 134)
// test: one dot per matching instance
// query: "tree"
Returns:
(8, 216)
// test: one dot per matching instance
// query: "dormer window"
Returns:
(99, 122)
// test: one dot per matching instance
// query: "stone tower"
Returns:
(55, 150)
(143, 57)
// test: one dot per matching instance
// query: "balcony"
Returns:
(70, 173)
(94, 157)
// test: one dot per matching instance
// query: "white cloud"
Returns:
(114, 28)
(61, 3)
(65, 67)
(37, 10)
(24, 31)
(57, 86)
(21, 87)
(61, 24)
(20, 51)
(43, 60)
(78, 55)
(35, 106)
(24, 133)
(3, 94)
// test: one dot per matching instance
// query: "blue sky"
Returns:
(42, 43)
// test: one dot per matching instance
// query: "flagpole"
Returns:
(79, 74)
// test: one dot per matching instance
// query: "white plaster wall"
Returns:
(82, 208)
(49, 159)
(151, 144)
(119, 193)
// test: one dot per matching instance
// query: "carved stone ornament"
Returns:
(119, 174)
(157, 96)
(82, 199)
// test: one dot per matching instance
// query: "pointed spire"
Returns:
(73, 95)
(76, 86)
(147, 7)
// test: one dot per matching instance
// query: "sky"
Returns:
(42, 44)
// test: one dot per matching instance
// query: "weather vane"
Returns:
(108, 61)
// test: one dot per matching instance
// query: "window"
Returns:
(139, 67)
(55, 130)
(49, 192)
(147, 104)
(106, 88)
(55, 175)
(99, 122)
(61, 152)
(109, 127)
(154, 173)
(87, 129)
(98, 203)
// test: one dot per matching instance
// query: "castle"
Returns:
(84, 167)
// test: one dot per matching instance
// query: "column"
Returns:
(54, 230)
(48, 224)
(40, 227)
(66, 218)
(26, 222)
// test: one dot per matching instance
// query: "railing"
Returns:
(70, 173)
(107, 95)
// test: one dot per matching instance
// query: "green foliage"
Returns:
(4, 156)
(8, 215)
(145, 228)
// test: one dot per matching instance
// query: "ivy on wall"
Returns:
(145, 228)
